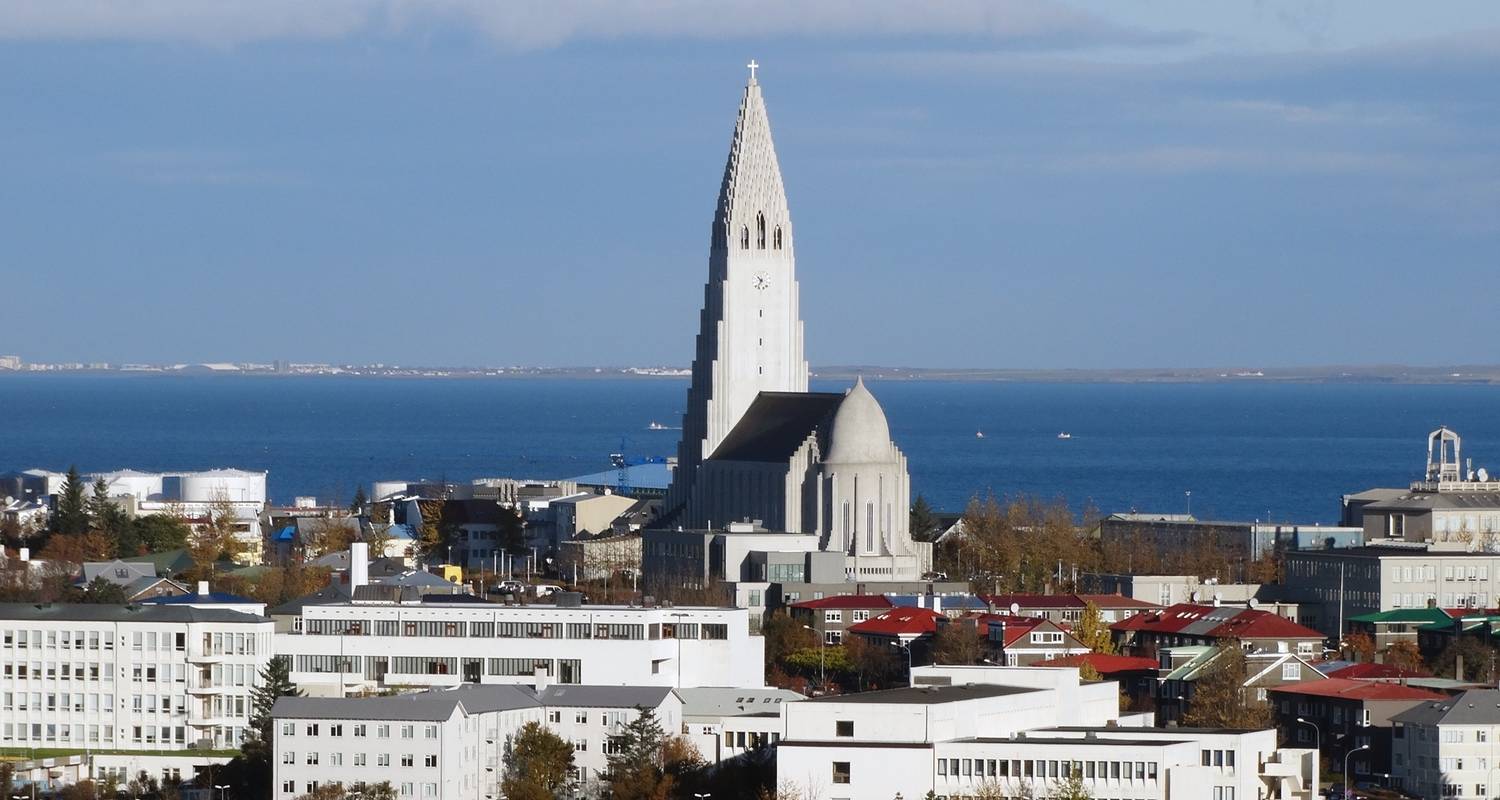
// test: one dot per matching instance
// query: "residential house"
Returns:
(1180, 669)
(1190, 624)
(830, 617)
(1340, 715)
(1447, 748)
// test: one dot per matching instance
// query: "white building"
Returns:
(346, 645)
(450, 743)
(122, 678)
(1019, 730)
(1449, 749)
(729, 722)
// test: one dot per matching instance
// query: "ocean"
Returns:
(1284, 452)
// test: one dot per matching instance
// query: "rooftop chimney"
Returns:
(359, 565)
(24, 554)
(541, 679)
(202, 588)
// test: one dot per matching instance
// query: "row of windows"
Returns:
(359, 730)
(402, 790)
(513, 630)
(760, 235)
(36, 733)
(1043, 768)
(313, 758)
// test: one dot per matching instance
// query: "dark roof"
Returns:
(430, 706)
(99, 612)
(188, 599)
(776, 424)
(926, 695)
(605, 696)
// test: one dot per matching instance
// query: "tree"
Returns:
(1404, 655)
(161, 532)
(874, 664)
(103, 592)
(357, 505)
(1086, 672)
(275, 683)
(957, 644)
(1360, 646)
(1219, 694)
(924, 523)
(784, 635)
(1093, 631)
(77, 548)
(1070, 788)
(1478, 660)
(647, 764)
(71, 514)
(539, 765)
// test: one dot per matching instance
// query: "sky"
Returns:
(974, 183)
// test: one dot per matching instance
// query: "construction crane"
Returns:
(622, 461)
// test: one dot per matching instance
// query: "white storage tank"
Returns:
(385, 490)
(140, 485)
(235, 485)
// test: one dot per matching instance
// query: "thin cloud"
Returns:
(536, 25)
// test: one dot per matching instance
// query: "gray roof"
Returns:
(776, 424)
(431, 706)
(605, 696)
(720, 701)
(1474, 707)
(1436, 500)
(121, 573)
(926, 695)
(98, 612)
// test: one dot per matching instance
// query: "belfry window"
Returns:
(745, 237)
(776, 238)
(760, 231)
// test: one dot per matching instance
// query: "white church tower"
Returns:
(750, 330)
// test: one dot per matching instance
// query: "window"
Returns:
(1291, 671)
(840, 772)
(862, 614)
(288, 757)
(776, 238)
(407, 759)
(833, 616)
(745, 237)
(843, 727)
(760, 231)
(429, 760)
(312, 758)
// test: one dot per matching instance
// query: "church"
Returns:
(757, 446)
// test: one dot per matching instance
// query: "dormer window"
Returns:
(760, 231)
(776, 238)
(745, 237)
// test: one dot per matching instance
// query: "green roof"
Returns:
(1425, 616)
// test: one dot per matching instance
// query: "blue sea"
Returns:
(1244, 450)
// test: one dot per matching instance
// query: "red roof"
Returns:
(1358, 690)
(1217, 622)
(847, 601)
(1067, 601)
(899, 621)
(1371, 671)
(1104, 664)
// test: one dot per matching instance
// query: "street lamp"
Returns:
(1317, 744)
(1349, 792)
(703, 795)
(907, 647)
(223, 789)
(822, 679)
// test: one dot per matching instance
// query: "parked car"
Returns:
(546, 589)
(509, 587)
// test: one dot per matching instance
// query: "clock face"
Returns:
(762, 281)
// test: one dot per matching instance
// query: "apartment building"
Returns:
(1448, 748)
(1335, 585)
(338, 645)
(451, 743)
(149, 678)
(1021, 732)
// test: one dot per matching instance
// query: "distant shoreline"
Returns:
(1392, 374)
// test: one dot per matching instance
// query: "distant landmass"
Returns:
(1379, 373)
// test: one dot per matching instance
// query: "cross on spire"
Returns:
(753, 67)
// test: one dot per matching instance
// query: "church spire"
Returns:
(750, 328)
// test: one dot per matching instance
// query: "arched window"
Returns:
(745, 237)
(776, 238)
(760, 231)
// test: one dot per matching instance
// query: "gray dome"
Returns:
(859, 434)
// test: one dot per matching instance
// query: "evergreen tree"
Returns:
(635, 771)
(160, 532)
(71, 514)
(275, 682)
(924, 523)
(539, 765)
(357, 506)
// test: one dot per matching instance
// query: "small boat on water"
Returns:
(1065, 435)
(657, 426)
(978, 434)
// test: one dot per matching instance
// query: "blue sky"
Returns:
(985, 184)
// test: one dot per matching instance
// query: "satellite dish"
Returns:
(1218, 598)
(1484, 474)
(1015, 609)
(1252, 602)
(1193, 597)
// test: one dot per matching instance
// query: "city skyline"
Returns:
(359, 186)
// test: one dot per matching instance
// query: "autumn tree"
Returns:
(1015, 546)
(539, 765)
(783, 635)
(646, 764)
(873, 664)
(1070, 788)
(1219, 694)
(1359, 646)
(1093, 631)
(1086, 672)
(1404, 655)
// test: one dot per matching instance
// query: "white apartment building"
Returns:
(450, 743)
(348, 645)
(1449, 749)
(726, 722)
(123, 678)
(1021, 730)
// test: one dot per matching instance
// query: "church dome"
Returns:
(859, 434)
